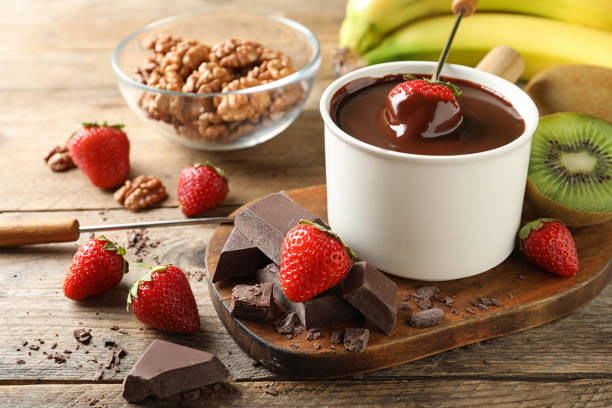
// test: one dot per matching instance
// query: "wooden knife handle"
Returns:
(503, 61)
(25, 232)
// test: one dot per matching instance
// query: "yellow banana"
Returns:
(367, 22)
(542, 42)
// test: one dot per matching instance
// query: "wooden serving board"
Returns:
(529, 297)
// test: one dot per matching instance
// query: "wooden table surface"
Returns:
(55, 73)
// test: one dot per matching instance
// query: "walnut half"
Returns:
(142, 192)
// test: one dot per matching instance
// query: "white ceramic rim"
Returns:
(421, 67)
(305, 72)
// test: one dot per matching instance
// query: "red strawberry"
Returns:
(162, 298)
(313, 259)
(102, 152)
(97, 266)
(549, 244)
(201, 187)
(423, 108)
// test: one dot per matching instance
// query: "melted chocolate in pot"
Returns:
(489, 121)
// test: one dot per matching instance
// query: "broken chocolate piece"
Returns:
(373, 294)
(326, 308)
(266, 222)
(337, 337)
(286, 324)
(253, 302)
(356, 339)
(426, 318)
(166, 369)
(82, 336)
(238, 258)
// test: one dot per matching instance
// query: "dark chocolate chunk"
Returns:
(266, 222)
(286, 324)
(426, 318)
(238, 258)
(327, 308)
(253, 302)
(356, 339)
(373, 294)
(166, 369)
(82, 336)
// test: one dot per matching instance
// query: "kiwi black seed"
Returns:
(571, 161)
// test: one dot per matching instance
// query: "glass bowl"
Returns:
(228, 120)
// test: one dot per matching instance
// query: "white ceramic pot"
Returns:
(422, 217)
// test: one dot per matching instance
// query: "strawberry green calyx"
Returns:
(456, 91)
(332, 234)
(111, 246)
(210, 164)
(118, 126)
(533, 226)
(147, 277)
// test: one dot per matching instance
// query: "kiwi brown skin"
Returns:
(573, 88)
(545, 207)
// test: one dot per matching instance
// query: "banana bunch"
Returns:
(545, 32)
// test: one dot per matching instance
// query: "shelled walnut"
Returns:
(59, 159)
(225, 67)
(140, 193)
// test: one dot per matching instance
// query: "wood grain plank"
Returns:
(430, 393)
(33, 306)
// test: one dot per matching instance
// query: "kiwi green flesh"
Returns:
(571, 161)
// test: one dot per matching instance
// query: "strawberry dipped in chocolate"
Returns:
(420, 108)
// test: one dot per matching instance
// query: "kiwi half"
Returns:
(570, 169)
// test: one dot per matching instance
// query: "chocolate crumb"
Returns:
(123, 331)
(426, 318)
(337, 337)
(41, 341)
(271, 390)
(426, 292)
(93, 402)
(485, 301)
(295, 346)
(317, 346)
(455, 311)
(286, 324)
(109, 343)
(82, 335)
(67, 352)
(289, 336)
(113, 327)
(470, 310)
(483, 307)
(423, 304)
(121, 353)
(29, 353)
(309, 336)
(405, 298)
(86, 352)
(24, 343)
(98, 375)
(34, 347)
(495, 302)
(20, 361)
(332, 347)
(404, 307)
